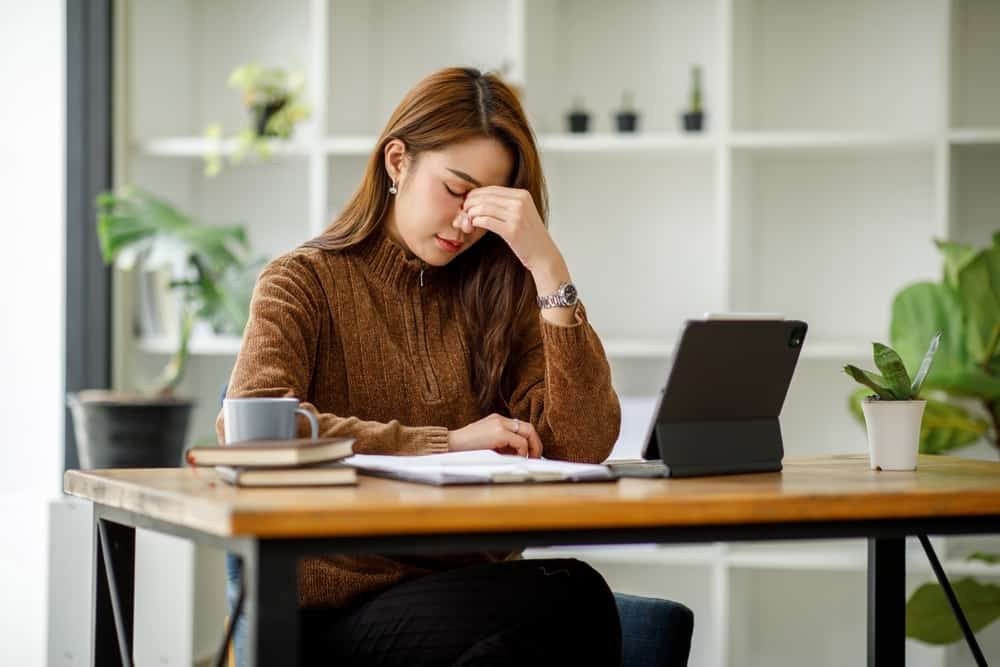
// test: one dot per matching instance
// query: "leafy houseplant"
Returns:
(274, 98)
(894, 412)
(694, 117)
(214, 279)
(963, 385)
(962, 390)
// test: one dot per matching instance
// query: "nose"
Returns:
(458, 222)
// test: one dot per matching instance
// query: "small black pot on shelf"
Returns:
(579, 121)
(693, 121)
(578, 118)
(627, 121)
(262, 113)
(626, 118)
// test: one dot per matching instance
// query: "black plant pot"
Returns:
(262, 114)
(627, 121)
(579, 121)
(116, 431)
(693, 121)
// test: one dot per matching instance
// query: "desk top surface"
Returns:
(828, 488)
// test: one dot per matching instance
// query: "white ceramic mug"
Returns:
(264, 419)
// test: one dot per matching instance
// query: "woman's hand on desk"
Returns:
(499, 433)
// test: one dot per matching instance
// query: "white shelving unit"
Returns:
(840, 139)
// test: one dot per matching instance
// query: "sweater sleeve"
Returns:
(279, 353)
(564, 389)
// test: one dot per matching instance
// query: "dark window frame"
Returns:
(89, 107)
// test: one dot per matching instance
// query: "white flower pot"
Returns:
(893, 433)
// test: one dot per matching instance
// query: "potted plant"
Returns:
(578, 118)
(214, 282)
(693, 118)
(963, 386)
(962, 390)
(893, 414)
(274, 98)
(626, 118)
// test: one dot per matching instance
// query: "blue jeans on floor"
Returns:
(655, 633)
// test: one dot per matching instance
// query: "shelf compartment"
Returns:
(975, 61)
(810, 233)
(641, 251)
(574, 48)
(791, 70)
(182, 94)
(374, 60)
(975, 198)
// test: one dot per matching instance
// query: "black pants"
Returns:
(523, 612)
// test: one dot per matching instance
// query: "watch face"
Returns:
(569, 293)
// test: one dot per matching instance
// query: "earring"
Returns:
(392, 188)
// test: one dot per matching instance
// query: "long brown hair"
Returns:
(495, 294)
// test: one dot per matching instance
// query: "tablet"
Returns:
(718, 410)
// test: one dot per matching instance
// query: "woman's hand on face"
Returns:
(511, 214)
(497, 432)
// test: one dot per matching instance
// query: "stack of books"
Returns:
(276, 463)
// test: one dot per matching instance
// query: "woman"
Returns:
(437, 314)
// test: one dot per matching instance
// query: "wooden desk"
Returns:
(829, 497)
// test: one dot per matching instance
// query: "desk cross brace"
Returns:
(970, 637)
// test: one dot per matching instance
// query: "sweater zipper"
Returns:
(431, 389)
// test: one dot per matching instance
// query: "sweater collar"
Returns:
(394, 266)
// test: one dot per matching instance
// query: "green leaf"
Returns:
(919, 311)
(208, 263)
(930, 619)
(992, 559)
(874, 382)
(956, 256)
(979, 293)
(854, 403)
(946, 426)
(893, 370)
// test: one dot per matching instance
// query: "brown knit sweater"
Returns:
(354, 336)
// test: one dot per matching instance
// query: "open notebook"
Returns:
(481, 466)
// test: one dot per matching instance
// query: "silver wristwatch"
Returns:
(564, 296)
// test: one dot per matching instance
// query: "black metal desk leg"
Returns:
(113, 586)
(886, 602)
(271, 606)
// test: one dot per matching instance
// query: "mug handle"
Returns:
(313, 423)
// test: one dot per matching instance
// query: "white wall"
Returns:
(32, 140)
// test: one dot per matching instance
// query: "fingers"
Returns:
(528, 431)
(515, 442)
(490, 224)
(497, 191)
(525, 442)
(498, 208)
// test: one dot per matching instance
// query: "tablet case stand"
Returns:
(759, 440)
